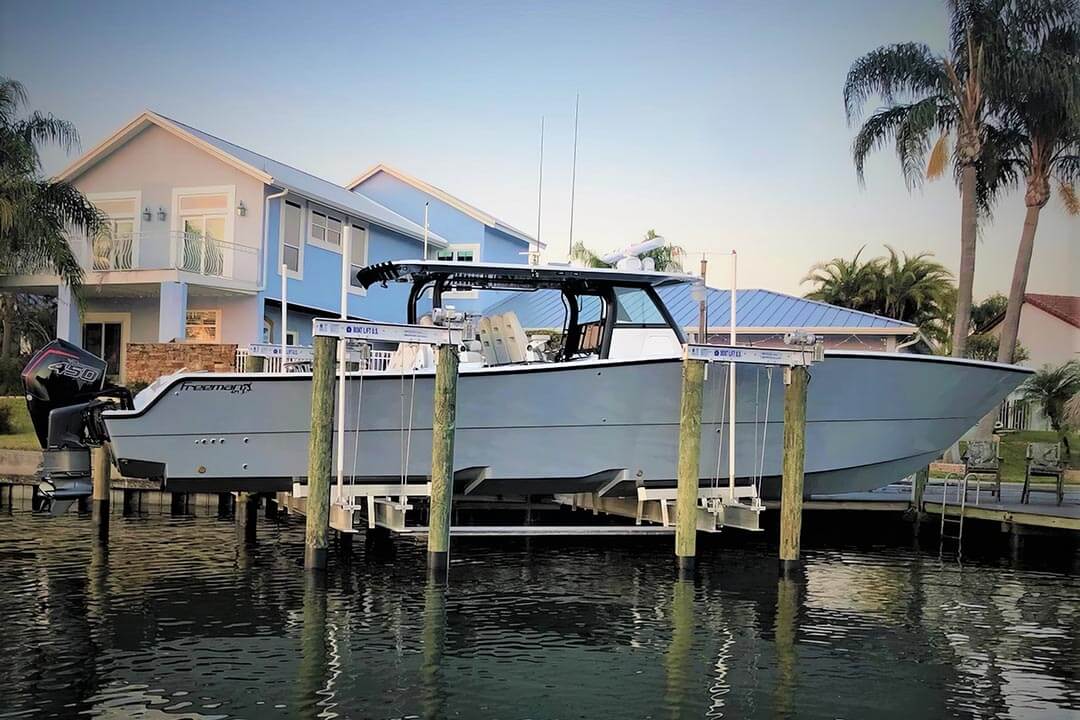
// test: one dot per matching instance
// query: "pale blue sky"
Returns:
(719, 124)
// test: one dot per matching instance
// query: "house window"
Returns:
(292, 337)
(292, 236)
(458, 253)
(268, 330)
(325, 229)
(357, 254)
(204, 326)
(464, 254)
(115, 247)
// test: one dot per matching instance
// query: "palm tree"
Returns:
(666, 258)
(918, 290)
(847, 283)
(927, 95)
(910, 288)
(35, 212)
(1052, 388)
(1036, 132)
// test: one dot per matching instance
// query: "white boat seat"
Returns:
(413, 356)
(513, 336)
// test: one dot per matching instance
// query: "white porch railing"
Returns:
(380, 361)
(189, 252)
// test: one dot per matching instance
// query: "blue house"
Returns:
(473, 235)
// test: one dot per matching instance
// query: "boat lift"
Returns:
(387, 504)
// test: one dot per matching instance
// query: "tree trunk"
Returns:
(968, 230)
(1010, 327)
(8, 317)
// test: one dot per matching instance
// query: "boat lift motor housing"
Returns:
(66, 391)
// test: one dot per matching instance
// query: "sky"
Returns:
(719, 124)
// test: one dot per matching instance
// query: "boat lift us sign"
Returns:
(386, 332)
(749, 355)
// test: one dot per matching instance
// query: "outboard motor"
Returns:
(66, 391)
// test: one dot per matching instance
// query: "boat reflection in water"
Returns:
(170, 622)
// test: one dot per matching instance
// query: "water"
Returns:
(179, 620)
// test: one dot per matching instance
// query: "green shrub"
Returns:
(7, 424)
(11, 375)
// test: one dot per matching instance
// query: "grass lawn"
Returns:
(23, 438)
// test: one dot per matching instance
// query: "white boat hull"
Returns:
(572, 427)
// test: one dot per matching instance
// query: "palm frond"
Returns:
(890, 72)
(1069, 198)
(939, 158)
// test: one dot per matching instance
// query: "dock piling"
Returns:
(689, 470)
(247, 515)
(320, 453)
(791, 492)
(444, 423)
(918, 492)
(100, 475)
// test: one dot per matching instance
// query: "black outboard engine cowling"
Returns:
(65, 393)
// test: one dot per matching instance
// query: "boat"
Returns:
(593, 409)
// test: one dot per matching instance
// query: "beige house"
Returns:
(1050, 332)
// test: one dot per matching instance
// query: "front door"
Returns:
(105, 339)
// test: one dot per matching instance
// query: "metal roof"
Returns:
(266, 170)
(316, 188)
(755, 308)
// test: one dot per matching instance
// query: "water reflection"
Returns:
(787, 607)
(177, 617)
(434, 642)
(678, 662)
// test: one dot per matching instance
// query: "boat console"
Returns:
(609, 312)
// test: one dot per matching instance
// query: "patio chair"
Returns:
(1044, 460)
(983, 458)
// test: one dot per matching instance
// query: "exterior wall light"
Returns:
(241, 210)
(147, 215)
(161, 214)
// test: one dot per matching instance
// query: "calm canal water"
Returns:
(179, 620)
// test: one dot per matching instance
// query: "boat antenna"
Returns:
(539, 196)
(573, 174)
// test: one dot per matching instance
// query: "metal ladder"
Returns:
(961, 501)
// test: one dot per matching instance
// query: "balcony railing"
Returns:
(189, 252)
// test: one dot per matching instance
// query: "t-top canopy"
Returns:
(500, 276)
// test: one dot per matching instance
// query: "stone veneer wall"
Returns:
(147, 362)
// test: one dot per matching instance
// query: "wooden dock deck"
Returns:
(1041, 510)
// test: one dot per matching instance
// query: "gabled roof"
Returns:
(451, 200)
(756, 311)
(260, 167)
(1063, 307)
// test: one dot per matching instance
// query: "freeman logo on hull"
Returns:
(231, 388)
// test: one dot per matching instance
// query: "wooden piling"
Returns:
(247, 516)
(320, 453)
(254, 363)
(100, 475)
(791, 492)
(918, 492)
(444, 423)
(689, 468)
